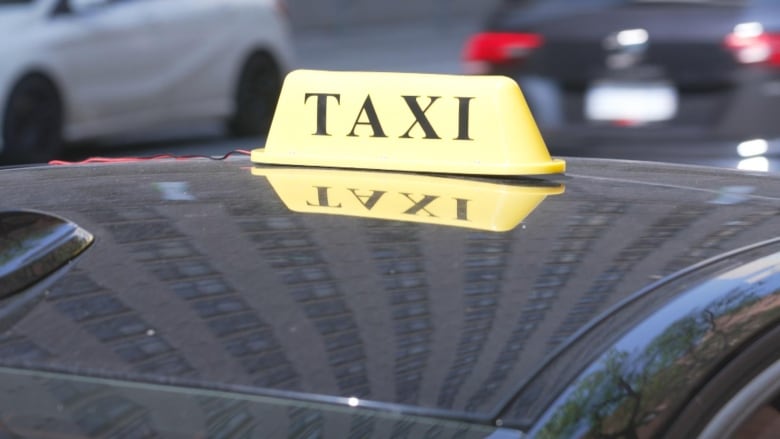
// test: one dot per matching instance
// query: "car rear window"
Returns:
(516, 13)
(568, 4)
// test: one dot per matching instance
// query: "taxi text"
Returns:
(368, 117)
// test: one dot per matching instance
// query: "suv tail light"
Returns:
(491, 48)
(281, 7)
(751, 45)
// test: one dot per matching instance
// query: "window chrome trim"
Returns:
(756, 393)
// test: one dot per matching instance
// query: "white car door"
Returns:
(110, 61)
(204, 46)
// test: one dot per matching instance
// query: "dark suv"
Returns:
(606, 68)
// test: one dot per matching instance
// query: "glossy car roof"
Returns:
(199, 271)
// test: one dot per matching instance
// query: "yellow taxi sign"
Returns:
(406, 122)
(426, 199)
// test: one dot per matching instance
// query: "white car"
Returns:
(79, 69)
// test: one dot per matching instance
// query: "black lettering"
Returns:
(463, 209)
(373, 120)
(322, 110)
(463, 118)
(420, 205)
(419, 117)
(322, 198)
(368, 201)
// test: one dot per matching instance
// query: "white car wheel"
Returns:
(256, 95)
(32, 123)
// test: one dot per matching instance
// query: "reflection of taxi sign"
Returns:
(406, 122)
(407, 197)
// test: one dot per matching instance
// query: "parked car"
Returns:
(654, 69)
(80, 69)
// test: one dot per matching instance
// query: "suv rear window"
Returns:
(584, 4)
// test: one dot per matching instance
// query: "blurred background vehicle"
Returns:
(650, 69)
(430, 36)
(80, 69)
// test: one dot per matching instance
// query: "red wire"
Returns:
(147, 158)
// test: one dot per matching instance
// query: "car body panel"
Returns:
(199, 272)
(644, 379)
(103, 407)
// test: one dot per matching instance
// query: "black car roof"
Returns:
(199, 271)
